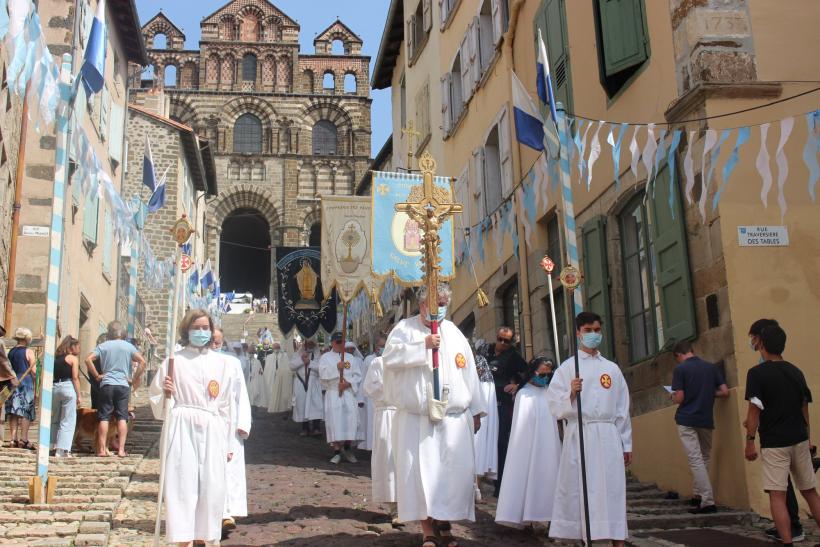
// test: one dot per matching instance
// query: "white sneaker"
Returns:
(350, 457)
(336, 459)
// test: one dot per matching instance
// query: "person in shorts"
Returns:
(116, 359)
(779, 409)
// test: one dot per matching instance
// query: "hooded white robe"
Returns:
(199, 433)
(366, 412)
(256, 386)
(486, 439)
(435, 462)
(281, 399)
(607, 435)
(531, 468)
(382, 461)
(307, 403)
(341, 412)
(236, 500)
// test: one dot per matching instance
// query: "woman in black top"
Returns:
(65, 396)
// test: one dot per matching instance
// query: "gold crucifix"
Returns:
(412, 135)
(430, 206)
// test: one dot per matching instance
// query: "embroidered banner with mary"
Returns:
(396, 237)
(301, 301)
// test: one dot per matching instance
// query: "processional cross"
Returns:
(430, 206)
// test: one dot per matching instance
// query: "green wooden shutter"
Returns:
(596, 277)
(551, 19)
(668, 234)
(623, 30)
(108, 242)
(91, 217)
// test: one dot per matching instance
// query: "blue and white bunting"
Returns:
(811, 149)
(743, 134)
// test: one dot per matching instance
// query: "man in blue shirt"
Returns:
(695, 384)
(116, 359)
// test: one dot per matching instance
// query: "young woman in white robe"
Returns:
(281, 399)
(486, 439)
(341, 409)
(531, 469)
(202, 391)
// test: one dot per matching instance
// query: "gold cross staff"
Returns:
(430, 206)
(412, 135)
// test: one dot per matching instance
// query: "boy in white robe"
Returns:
(307, 390)
(435, 461)
(607, 438)
(340, 378)
(236, 498)
(201, 393)
(530, 470)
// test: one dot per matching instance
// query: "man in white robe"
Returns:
(307, 390)
(199, 425)
(236, 498)
(607, 440)
(435, 461)
(382, 461)
(341, 374)
(366, 404)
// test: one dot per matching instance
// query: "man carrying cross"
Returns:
(434, 458)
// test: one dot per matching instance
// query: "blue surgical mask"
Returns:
(442, 314)
(591, 340)
(199, 337)
(379, 352)
(541, 381)
(752, 344)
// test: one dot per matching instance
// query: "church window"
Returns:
(249, 68)
(350, 83)
(247, 135)
(329, 81)
(324, 138)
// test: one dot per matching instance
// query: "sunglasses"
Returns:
(504, 340)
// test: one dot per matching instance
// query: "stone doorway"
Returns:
(245, 253)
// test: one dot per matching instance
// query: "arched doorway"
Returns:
(245, 253)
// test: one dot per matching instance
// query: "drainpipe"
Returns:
(15, 218)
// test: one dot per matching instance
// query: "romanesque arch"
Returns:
(249, 105)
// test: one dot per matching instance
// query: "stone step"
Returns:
(59, 529)
(687, 520)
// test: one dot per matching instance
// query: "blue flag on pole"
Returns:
(529, 127)
(149, 174)
(544, 79)
(207, 278)
(157, 200)
(396, 238)
(193, 281)
(93, 69)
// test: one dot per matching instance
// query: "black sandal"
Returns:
(445, 532)
(28, 445)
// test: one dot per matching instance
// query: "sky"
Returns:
(313, 16)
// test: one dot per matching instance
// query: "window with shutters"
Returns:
(325, 137)
(596, 276)
(623, 41)
(422, 121)
(486, 35)
(105, 107)
(658, 300)
(91, 220)
(447, 10)
(108, 244)
(403, 101)
(492, 172)
(455, 94)
(463, 221)
(247, 134)
(249, 68)
(418, 29)
(551, 21)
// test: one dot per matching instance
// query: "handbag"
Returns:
(436, 409)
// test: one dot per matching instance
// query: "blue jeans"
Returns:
(63, 415)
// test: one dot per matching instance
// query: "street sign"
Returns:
(36, 231)
(763, 236)
(185, 263)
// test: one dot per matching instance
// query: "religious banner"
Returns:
(397, 239)
(346, 258)
(301, 302)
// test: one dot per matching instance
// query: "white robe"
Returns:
(256, 386)
(269, 375)
(307, 404)
(531, 469)
(607, 435)
(246, 367)
(236, 500)
(382, 461)
(486, 439)
(365, 412)
(435, 462)
(341, 412)
(199, 432)
(281, 399)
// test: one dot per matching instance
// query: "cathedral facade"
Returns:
(286, 127)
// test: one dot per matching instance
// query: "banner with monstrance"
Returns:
(346, 245)
(397, 238)
(301, 302)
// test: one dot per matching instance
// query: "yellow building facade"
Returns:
(657, 267)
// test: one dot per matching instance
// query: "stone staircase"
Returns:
(234, 325)
(89, 490)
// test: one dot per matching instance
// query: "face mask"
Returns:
(541, 381)
(591, 340)
(442, 313)
(379, 352)
(198, 337)
(752, 344)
